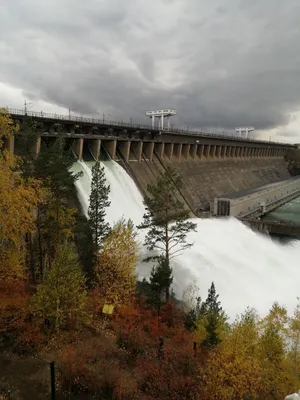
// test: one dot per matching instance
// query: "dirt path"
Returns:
(26, 378)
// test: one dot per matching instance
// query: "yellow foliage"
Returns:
(62, 296)
(232, 370)
(17, 204)
(7, 126)
(116, 264)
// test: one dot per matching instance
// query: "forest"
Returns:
(69, 293)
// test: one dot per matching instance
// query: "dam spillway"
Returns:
(248, 269)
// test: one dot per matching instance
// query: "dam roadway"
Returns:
(210, 165)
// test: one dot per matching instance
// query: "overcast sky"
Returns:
(219, 63)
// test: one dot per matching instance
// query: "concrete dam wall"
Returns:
(210, 165)
(203, 180)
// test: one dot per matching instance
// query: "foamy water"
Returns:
(248, 269)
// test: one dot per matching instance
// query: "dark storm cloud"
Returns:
(220, 63)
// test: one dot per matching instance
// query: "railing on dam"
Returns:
(272, 205)
(97, 121)
(273, 227)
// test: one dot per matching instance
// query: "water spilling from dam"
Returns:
(248, 269)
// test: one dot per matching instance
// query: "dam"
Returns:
(223, 249)
(211, 165)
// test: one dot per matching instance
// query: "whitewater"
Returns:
(248, 269)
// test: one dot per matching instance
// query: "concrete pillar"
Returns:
(124, 148)
(148, 149)
(169, 149)
(177, 150)
(95, 146)
(185, 150)
(228, 151)
(38, 146)
(233, 151)
(160, 150)
(110, 146)
(213, 151)
(9, 144)
(223, 151)
(138, 150)
(78, 147)
(218, 151)
(193, 150)
(200, 150)
(206, 150)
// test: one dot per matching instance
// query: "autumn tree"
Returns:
(7, 126)
(115, 268)
(166, 218)
(61, 297)
(232, 370)
(272, 351)
(98, 204)
(293, 337)
(18, 200)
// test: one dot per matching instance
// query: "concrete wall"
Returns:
(204, 180)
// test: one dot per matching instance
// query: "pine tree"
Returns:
(53, 168)
(166, 218)
(55, 219)
(160, 281)
(27, 141)
(214, 316)
(98, 203)
(62, 297)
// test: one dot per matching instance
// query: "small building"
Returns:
(259, 201)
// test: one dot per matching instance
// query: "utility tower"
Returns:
(161, 115)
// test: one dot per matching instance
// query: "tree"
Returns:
(115, 268)
(98, 203)
(213, 317)
(27, 142)
(166, 218)
(55, 219)
(7, 126)
(294, 340)
(160, 281)
(272, 351)
(17, 204)
(62, 296)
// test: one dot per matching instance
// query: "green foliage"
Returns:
(53, 168)
(166, 217)
(55, 219)
(98, 203)
(160, 281)
(214, 316)
(84, 243)
(62, 297)
(27, 142)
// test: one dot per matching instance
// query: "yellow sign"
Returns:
(108, 309)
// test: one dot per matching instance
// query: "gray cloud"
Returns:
(221, 63)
